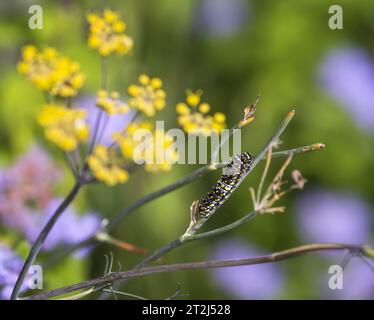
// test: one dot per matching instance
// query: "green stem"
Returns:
(139, 272)
(157, 194)
(249, 216)
(159, 253)
(36, 247)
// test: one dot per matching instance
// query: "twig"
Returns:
(71, 164)
(263, 176)
(157, 194)
(248, 118)
(127, 294)
(105, 237)
(277, 256)
(249, 216)
(95, 132)
(160, 252)
(104, 86)
(300, 150)
(73, 158)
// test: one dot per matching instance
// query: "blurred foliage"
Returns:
(276, 53)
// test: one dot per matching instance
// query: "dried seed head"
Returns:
(298, 179)
(249, 113)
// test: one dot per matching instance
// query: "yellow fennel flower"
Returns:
(156, 155)
(106, 166)
(126, 140)
(107, 33)
(64, 127)
(193, 98)
(193, 116)
(110, 102)
(163, 159)
(50, 71)
(148, 97)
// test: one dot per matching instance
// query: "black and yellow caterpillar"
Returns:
(234, 171)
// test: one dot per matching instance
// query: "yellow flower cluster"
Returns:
(106, 166)
(148, 97)
(50, 71)
(161, 143)
(126, 140)
(64, 127)
(107, 33)
(193, 116)
(161, 159)
(110, 102)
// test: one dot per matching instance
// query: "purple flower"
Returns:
(26, 186)
(348, 76)
(358, 280)
(326, 216)
(27, 203)
(221, 17)
(245, 282)
(33, 167)
(111, 124)
(10, 265)
(69, 229)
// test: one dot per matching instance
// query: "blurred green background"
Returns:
(276, 50)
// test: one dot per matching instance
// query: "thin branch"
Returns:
(104, 72)
(249, 216)
(157, 194)
(103, 128)
(300, 150)
(95, 132)
(70, 162)
(41, 238)
(104, 86)
(274, 139)
(263, 176)
(160, 252)
(105, 237)
(174, 186)
(73, 157)
(277, 256)
(126, 294)
(78, 295)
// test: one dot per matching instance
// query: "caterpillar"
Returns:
(239, 165)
